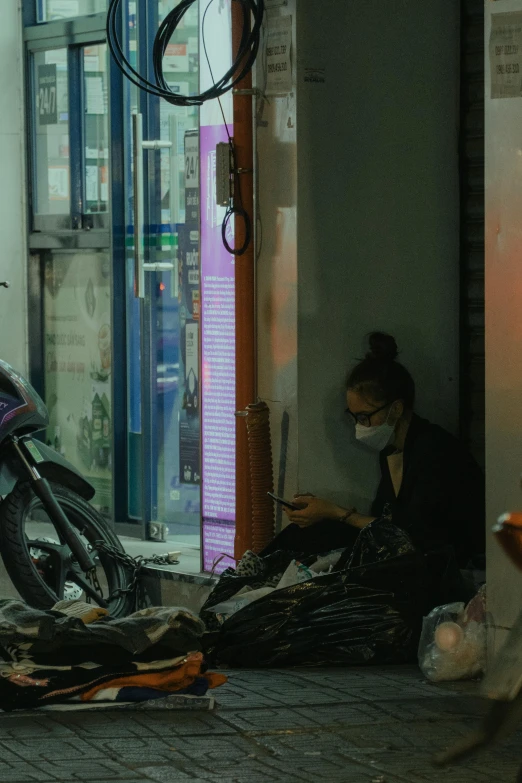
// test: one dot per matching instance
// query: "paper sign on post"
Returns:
(505, 53)
(278, 51)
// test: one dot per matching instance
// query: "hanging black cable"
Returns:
(233, 210)
(246, 55)
(242, 213)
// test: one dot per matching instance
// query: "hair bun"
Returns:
(382, 347)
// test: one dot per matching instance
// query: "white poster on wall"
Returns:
(505, 53)
(91, 183)
(95, 95)
(91, 59)
(176, 58)
(278, 53)
(58, 183)
(62, 9)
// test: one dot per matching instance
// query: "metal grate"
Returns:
(472, 359)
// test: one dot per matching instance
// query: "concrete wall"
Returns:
(378, 214)
(13, 236)
(369, 158)
(358, 196)
(503, 332)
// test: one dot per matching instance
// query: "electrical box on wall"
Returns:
(223, 172)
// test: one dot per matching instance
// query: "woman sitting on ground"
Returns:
(430, 486)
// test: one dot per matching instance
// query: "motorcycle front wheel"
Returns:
(41, 565)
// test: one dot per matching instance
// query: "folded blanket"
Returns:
(24, 686)
(55, 638)
(167, 680)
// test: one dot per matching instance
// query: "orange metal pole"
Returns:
(245, 296)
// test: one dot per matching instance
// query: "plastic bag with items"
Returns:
(368, 612)
(453, 641)
(295, 573)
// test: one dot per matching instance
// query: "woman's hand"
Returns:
(312, 510)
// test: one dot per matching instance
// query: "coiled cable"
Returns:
(243, 62)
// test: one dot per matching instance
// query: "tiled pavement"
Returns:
(354, 725)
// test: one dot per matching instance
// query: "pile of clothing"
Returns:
(76, 657)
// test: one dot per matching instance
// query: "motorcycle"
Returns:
(502, 683)
(42, 491)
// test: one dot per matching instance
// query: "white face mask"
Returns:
(376, 437)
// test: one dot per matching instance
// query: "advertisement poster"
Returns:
(78, 361)
(191, 154)
(218, 332)
(219, 377)
(189, 380)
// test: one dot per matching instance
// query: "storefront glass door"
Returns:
(164, 474)
(174, 295)
(132, 369)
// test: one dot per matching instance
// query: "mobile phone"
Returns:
(282, 502)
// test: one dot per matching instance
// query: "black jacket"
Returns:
(441, 501)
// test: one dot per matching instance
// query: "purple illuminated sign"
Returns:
(218, 428)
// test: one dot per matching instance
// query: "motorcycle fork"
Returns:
(43, 491)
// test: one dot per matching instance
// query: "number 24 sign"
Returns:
(191, 160)
(47, 109)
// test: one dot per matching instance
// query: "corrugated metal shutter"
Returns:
(472, 366)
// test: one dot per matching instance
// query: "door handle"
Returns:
(159, 266)
(140, 266)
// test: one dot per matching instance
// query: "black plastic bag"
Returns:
(360, 616)
(230, 583)
(368, 611)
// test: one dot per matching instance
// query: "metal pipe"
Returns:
(137, 181)
(245, 294)
(254, 233)
(256, 94)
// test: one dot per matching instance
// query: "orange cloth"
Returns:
(170, 681)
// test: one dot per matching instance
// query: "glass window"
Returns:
(175, 294)
(78, 363)
(52, 168)
(96, 129)
(51, 10)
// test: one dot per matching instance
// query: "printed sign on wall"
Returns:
(78, 363)
(278, 51)
(505, 53)
(189, 421)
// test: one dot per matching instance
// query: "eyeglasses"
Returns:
(365, 419)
